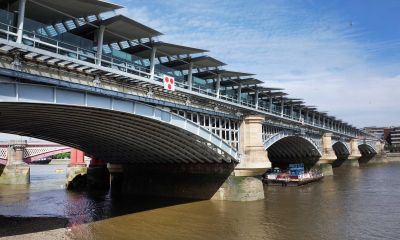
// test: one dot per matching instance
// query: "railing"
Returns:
(66, 49)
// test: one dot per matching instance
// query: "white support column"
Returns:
(306, 117)
(218, 85)
(100, 38)
(323, 122)
(21, 16)
(190, 76)
(282, 106)
(152, 62)
(300, 109)
(270, 101)
(291, 111)
(313, 118)
(256, 98)
(239, 93)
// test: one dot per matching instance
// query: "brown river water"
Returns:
(356, 203)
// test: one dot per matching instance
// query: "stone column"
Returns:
(245, 182)
(116, 177)
(328, 155)
(77, 171)
(15, 171)
(98, 177)
(380, 148)
(354, 153)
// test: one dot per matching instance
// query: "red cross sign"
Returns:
(169, 83)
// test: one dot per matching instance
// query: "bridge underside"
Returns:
(341, 152)
(367, 153)
(292, 149)
(111, 136)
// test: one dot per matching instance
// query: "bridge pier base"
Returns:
(328, 155)
(245, 183)
(351, 163)
(355, 154)
(77, 171)
(15, 174)
(116, 178)
(16, 171)
(98, 177)
(241, 189)
(76, 177)
(326, 169)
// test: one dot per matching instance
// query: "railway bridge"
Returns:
(30, 152)
(161, 118)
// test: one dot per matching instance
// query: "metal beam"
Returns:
(152, 62)
(21, 16)
(190, 75)
(100, 37)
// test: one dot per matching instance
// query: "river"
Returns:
(356, 203)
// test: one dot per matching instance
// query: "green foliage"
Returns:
(61, 156)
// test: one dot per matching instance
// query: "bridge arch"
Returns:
(116, 130)
(285, 148)
(367, 149)
(341, 150)
(342, 153)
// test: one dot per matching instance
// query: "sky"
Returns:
(341, 56)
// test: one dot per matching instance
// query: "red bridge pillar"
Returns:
(77, 157)
(77, 170)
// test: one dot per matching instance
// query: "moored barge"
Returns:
(295, 176)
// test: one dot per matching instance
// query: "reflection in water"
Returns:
(356, 203)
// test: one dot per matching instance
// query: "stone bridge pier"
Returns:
(244, 184)
(80, 176)
(348, 156)
(15, 171)
(355, 154)
(328, 155)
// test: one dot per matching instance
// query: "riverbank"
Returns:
(40, 228)
(388, 158)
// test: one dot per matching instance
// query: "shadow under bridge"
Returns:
(284, 149)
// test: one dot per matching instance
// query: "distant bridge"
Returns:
(33, 151)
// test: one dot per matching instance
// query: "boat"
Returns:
(294, 176)
(42, 161)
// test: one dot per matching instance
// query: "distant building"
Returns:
(395, 136)
(391, 135)
(378, 132)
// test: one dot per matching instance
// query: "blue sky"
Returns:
(342, 56)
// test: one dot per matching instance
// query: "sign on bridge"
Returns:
(169, 83)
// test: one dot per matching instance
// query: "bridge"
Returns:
(31, 151)
(160, 118)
